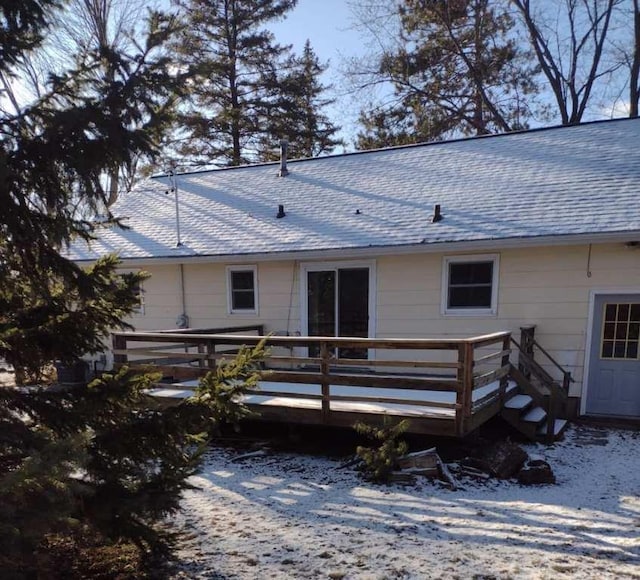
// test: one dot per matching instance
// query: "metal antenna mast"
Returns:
(174, 188)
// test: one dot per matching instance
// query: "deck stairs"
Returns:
(537, 408)
(521, 412)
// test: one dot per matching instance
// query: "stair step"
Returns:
(511, 386)
(518, 402)
(535, 415)
(558, 427)
(172, 391)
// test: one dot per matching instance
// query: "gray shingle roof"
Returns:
(552, 182)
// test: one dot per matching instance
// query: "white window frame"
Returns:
(306, 267)
(139, 310)
(493, 309)
(242, 268)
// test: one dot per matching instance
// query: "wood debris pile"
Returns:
(425, 463)
(501, 460)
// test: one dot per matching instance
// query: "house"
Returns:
(537, 228)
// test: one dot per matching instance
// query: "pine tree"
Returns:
(54, 155)
(68, 464)
(58, 148)
(459, 71)
(296, 111)
(66, 459)
(63, 319)
(380, 461)
(83, 29)
(232, 61)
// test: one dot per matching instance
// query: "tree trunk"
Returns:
(634, 88)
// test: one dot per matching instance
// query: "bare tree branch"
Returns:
(572, 91)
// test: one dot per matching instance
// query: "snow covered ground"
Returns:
(294, 516)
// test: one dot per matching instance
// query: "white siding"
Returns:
(161, 299)
(206, 298)
(546, 286)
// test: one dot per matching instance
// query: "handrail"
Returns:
(259, 328)
(460, 379)
(567, 378)
(556, 363)
(557, 394)
(338, 341)
(532, 363)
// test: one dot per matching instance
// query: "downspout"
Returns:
(183, 320)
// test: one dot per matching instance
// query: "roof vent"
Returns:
(437, 216)
(281, 213)
(284, 146)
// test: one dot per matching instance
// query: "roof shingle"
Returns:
(582, 179)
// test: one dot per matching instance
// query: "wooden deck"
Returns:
(443, 386)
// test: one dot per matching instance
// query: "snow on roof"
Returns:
(559, 181)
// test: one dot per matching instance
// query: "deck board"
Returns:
(423, 403)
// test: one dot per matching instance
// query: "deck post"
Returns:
(324, 381)
(211, 351)
(504, 381)
(201, 350)
(468, 379)
(119, 343)
(465, 383)
(552, 411)
(527, 334)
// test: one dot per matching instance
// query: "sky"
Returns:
(330, 27)
(328, 24)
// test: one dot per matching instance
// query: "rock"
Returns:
(504, 459)
(535, 473)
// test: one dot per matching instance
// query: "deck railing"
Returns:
(456, 366)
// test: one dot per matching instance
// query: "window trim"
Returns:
(140, 309)
(615, 340)
(242, 268)
(320, 266)
(493, 309)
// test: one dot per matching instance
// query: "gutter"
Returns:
(376, 251)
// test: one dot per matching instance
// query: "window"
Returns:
(242, 292)
(469, 285)
(139, 292)
(620, 331)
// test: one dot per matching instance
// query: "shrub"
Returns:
(380, 460)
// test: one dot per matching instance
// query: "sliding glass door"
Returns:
(338, 303)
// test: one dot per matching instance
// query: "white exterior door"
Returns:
(337, 300)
